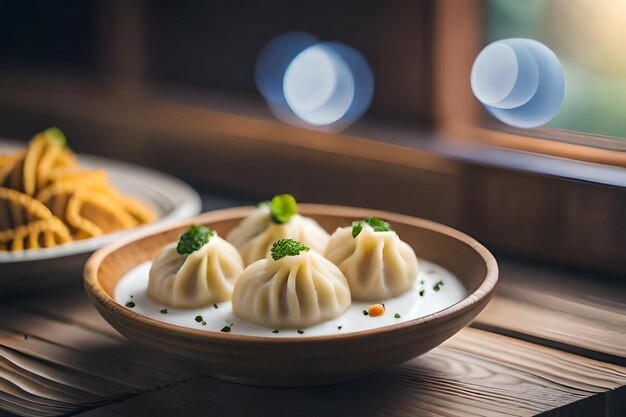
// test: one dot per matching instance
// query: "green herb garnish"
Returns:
(287, 247)
(366, 313)
(130, 304)
(282, 208)
(193, 239)
(421, 293)
(300, 331)
(56, 136)
(198, 319)
(397, 315)
(375, 223)
(275, 331)
(203, 323)
(225, 329)
(438, 286)
(163, 311)
(214, 305)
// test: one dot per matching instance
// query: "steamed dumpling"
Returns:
(205, 276)
(295, 291)
(254, 236)
(377, 264)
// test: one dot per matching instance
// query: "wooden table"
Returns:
(550, 342)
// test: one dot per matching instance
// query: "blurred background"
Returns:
(171, 85)
(588, 37)
(208, 47)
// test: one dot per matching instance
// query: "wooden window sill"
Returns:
(539, 206)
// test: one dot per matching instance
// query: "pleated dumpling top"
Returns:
(376, 263)
(293, 287)
(200, 269)
(272, 221)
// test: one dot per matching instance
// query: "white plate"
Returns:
(35, 269)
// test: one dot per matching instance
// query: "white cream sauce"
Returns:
(134, 285)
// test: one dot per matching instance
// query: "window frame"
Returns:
(459, 37)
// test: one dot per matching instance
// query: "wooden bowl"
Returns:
(299, 361)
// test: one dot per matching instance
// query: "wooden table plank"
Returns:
(580, 313)
(57, 355)
(474, 373)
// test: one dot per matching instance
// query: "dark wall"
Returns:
(212, 45)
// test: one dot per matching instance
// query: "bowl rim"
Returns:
(100, 297)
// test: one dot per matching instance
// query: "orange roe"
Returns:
(376, 310)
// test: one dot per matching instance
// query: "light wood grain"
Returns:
(473, 374)
(58, 355)
(577, 312)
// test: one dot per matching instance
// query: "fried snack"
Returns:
(46, 199)
(75, 174)
(7, 164)
(35, 235)
(97, 213)
(56, 195)
(48, 151)
(138, 210)
(29, 207)
(39, 226)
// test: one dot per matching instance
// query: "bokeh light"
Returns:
(319, 85)
(519, 81)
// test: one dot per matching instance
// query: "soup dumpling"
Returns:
(293, 287)
(376, 263)
(272, 221)
(198, 270)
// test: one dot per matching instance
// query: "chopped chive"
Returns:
(214, 305)
(275, 331)
(300, 331)
(421, 293)
(422, 281)
(203, 323)
(339, 327)
(397, 315)
(225, 329)
(130, 304)
(132, 296)
(198, 319)
(438, 285)
(163, 311)
(366, 313)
